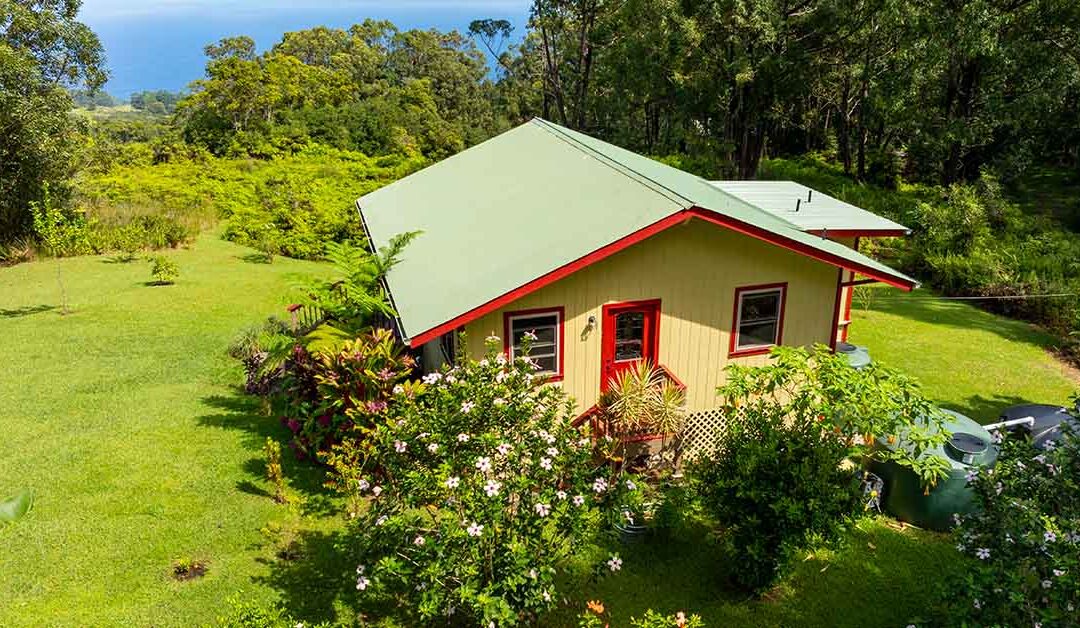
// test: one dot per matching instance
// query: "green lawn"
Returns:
(124, 418)
(967, 360)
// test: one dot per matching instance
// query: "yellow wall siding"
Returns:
(694, 270)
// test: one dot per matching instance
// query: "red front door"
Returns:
(630, 335)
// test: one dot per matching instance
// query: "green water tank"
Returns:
(969, 446)
(858, 357)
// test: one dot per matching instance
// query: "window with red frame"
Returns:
(759, 318)
(546, 348)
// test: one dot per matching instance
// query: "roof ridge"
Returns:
(621, 167)
(618, 166)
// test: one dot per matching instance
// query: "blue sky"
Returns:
(157, 44)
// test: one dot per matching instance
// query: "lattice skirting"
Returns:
(699, 436)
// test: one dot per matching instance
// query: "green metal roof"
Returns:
(806, 209)
(525, 203)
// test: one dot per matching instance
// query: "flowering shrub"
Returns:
(1025, 541)
(480, 491)
(326, 396)
(594, 617)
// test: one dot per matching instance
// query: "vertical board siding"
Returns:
(694, 270)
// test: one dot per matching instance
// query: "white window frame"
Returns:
(736, 346)
(558, 337)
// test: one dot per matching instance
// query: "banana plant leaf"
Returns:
(16, 506)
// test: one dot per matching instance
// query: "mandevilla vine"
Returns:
(472, 491)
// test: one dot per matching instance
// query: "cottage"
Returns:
(610, 258)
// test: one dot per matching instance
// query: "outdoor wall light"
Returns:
(591, 325)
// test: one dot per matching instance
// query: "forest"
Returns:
(958, 118)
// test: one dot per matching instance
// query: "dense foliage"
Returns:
(969, 240)
(326, 394)
(773, 486)
(777, 477)
(1024, 544)
(480, 493)
(44, 52)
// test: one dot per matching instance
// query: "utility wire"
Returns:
(996, 298)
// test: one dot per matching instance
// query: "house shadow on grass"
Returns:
(876, 576)
(243, 412)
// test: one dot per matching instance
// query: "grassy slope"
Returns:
(122, 419)
(967, 360)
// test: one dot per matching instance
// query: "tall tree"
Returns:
(44, 52)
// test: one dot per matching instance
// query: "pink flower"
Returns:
(467, 407)
(375, 406)
(400, 446)
(545, 463)
(599, 485)
(543, 510)
(419, 541)
(503, 449)
(491, 489)
(452, 482)
(475, 529)
(463, 438)
(483, 464)
(579, 500)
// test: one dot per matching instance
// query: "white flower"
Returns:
(551, 451)
(398, 389)
(419, 540)
(452, 482)
(483, 463)
(1059, 572)
(982, 553)
(1050, 537)
(977, 604)
(1046, 584)
(971, 475)
(500, 359)
(431, 378)
(376, 490)
(450, 611)
(463, 438)
(614, 563)
(579, 500)
(492, 339)
(547, 595)
(547, 438)
(382, 520)
(998, 488)
(503, 449)
(545, 463)
(584, 442)
(362, 583)
(467, 407)
(363, 484)
(433, 447)
(475, 529)
(561, 495)
(499, 401)
(533, 574)
(629, 516)
(501, 376)
(543, 510)
(630, 485)
(530, 335)
(491, 489)
(421, 587)
(360, 569)
(599, 485)
(400, 446)
(484, 362)
(450, 379)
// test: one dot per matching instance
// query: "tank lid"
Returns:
(965, 447)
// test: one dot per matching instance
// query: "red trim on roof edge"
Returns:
(855, 233)
(639, 235)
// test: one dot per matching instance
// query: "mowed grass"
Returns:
(123, 418)
(967, 360)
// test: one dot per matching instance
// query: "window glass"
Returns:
(545, 348)
(759, 318)
(629, 336)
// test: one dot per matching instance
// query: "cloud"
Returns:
(104, 9)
